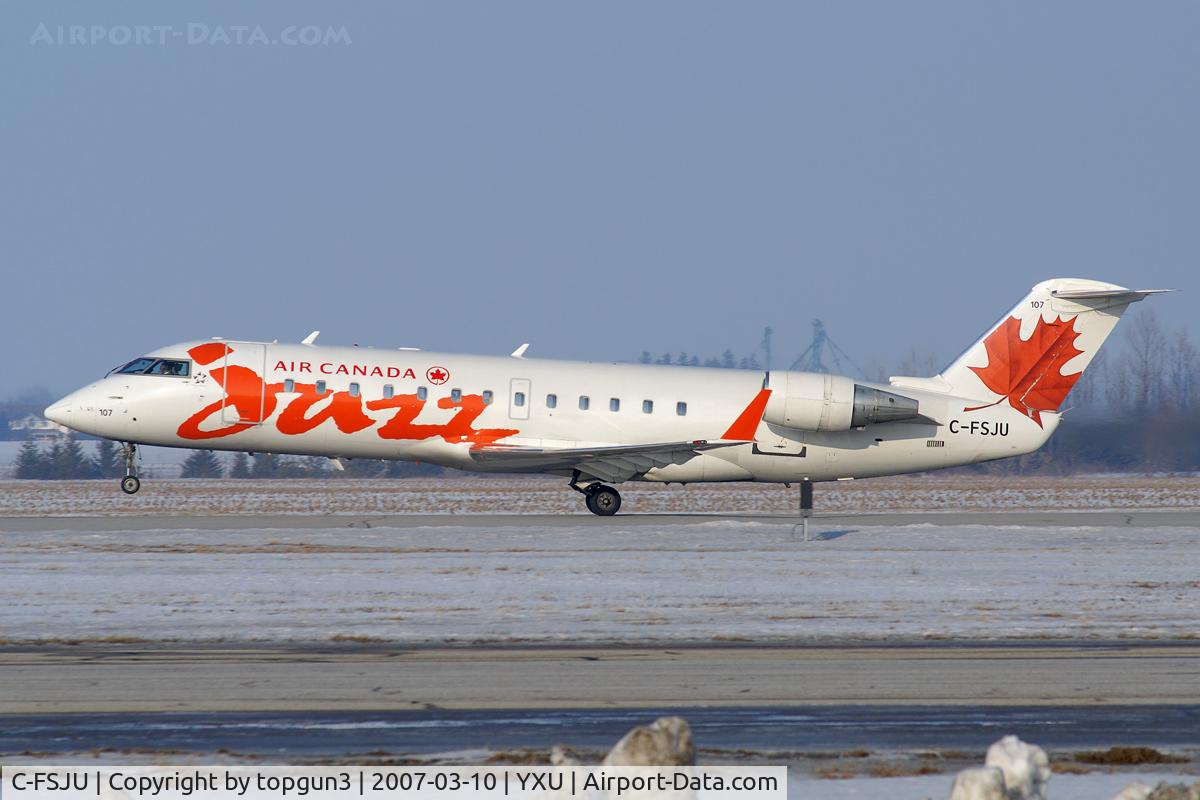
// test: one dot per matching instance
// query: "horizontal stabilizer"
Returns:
(1106, 294)
(1034, 355)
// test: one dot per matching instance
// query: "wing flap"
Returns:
(610, 463)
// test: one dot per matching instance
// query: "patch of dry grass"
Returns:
(1127, 757)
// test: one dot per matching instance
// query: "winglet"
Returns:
(520, 351)
(745, 426)
(311, 338)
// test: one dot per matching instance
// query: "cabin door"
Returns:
(519, 398)
(244, 399)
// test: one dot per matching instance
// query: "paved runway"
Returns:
(790, 734)
(135, 522)
(358, 678)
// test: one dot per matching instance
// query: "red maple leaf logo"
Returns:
(437, 375)
(1028, 372)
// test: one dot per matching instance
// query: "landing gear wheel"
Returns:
(603, 501)
(130, 483)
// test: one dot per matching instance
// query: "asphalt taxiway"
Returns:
(800, 735)
(89, 678)
(134, 522)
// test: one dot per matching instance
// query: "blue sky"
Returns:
(595, 179)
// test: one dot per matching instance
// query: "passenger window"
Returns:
(354, 390)
(647, 406)
(584, 402)
(614, 404)
(320, 387)
(289, 386)
(519, 399)
(456, 395)
(551, 401)
(487, 397)
(681, 409)
(388, 391)
(422, 392)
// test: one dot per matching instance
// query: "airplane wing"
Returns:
(612, 463)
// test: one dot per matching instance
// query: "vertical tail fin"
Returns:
(1034, 355)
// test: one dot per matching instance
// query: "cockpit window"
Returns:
(156, 366)
(135, 367)
(164, 366)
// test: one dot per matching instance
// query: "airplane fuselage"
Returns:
(608, 423)
(440, 408)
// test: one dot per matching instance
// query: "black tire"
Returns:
(130, 484)
(604, 501)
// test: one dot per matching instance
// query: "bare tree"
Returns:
(1146, 345)
(1182, 361)
(918, 364)
(1087, 392)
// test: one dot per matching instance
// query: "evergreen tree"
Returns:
(265, 465)
(315, 466)
(107, 461)
(202, 464)
(67, 461)
(362, 468)
(749, 362)
(31, 463)
(646, 357)
(728, 360)
(302, 467)
(241, 466)
(412, 469)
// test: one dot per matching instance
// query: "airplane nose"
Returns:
(60, 412)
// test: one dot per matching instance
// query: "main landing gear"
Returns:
(601, 500)
(130, 483)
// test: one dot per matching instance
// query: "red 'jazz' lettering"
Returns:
(256, 402)
(344, 409)
(401, 425)
(459, 429)
(243, 391)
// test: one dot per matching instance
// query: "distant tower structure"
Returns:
(813, 357)
(766, 345)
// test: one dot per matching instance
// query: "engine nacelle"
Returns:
(810, 401)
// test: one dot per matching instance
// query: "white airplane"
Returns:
(600, 424)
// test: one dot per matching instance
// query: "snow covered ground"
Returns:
(710, 581)
(464, 494)
(1061, 787)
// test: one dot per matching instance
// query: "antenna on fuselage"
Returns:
(311, 338)
(520, 351)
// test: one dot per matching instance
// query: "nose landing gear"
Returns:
(130, 483)
(601, 500)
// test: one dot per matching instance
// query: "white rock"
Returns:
(559, 757)
(1134, 791)
(1025, 766)
(666, 742)
(979, 783)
